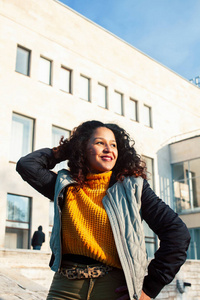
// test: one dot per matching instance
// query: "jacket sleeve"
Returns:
(174, 241)
(35, 169)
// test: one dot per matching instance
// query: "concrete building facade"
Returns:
(59, 69)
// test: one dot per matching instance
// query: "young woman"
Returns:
(97, 242)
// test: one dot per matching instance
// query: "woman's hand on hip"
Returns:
(144, 296)
(126, 296)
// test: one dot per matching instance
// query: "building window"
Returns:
(45, 70)
(84, 88)
(150, 240)
(147, 116)
(133, 107)
(102, 95)
(18, 222)
(65, 80)
(186, 181)
(150, 170)
(21, 137)
(118, 103)
(57, 133)
(23, 61)
(194, 247)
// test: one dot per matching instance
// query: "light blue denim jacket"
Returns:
(122, 204)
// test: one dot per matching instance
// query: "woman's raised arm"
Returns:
(35, 169)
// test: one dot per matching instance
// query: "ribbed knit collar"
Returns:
(98, 179)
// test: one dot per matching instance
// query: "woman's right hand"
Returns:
(144, 296)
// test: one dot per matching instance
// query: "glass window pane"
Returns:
(147, 116)
(84, 88)
(118, 103)
(22, 61)
(18, 222)
(150, 240)
(57, 133)
(194, 167)
(150, 170)
(18, 208)
(179, 171)
(16, 238)
(133, 109)
(21, 137)
(181, 196)
(45, 70)
(102, 95)
(65, 80)
(194, 192)
(186, 184)
(194, 247)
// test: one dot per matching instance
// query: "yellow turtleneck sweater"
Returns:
(86, 228)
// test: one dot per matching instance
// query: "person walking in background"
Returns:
(97, 241)
(38, 238)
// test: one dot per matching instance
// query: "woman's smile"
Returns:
(102, 150)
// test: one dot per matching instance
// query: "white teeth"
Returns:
(106, 158)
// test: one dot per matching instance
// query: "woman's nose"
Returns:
(107, 148)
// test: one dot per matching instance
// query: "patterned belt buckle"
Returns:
(88, 272)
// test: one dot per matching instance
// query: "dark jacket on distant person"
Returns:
(38, 237)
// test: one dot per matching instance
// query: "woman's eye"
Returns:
(99, 143)
(113, 145)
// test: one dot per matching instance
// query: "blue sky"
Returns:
(166, 30)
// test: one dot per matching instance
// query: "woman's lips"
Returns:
(107, 158)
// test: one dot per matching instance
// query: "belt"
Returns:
(88, 272)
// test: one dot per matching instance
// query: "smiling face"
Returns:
(102, 151)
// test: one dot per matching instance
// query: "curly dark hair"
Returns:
(128, 163)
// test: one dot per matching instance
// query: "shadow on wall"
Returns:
(165, 175)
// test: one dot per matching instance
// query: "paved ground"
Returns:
(14, 287)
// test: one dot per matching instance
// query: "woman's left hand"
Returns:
(144, 296)
(126, 296)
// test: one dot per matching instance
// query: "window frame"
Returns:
(106, 95)
(62, 164)
(88, 88)
(185, 186)
(32, 135)
(50, 70)
(150, 123)
(27, 73)
(136, 119)
(194, 248)
(122, 103)
(20, 225)
(70, 79)
(151, 160)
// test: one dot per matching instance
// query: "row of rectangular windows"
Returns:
(22, 139)
(45, 75)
